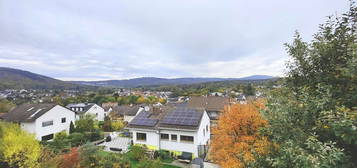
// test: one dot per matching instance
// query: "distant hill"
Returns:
(18, 79)
(152, 81)
(256, 77)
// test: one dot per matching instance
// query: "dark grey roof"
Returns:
(84, 106)
(27, 112)
(144, 119)
(168, 117)
(182, 117)
(126, 110)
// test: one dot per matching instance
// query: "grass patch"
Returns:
(103, 153)
(135, 163)
(169, 160)
(169, 166)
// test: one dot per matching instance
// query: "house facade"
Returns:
(88, 108)
(176, 130)
(43, 120)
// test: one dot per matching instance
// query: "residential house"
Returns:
(214, 105)
(175, 129)
(108, 107)
(242, 99)
(88, 108)
(43, 120)
(127, 112)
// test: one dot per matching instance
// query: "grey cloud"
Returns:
(123, 39)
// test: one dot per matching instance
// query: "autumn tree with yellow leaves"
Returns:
(236, 139)
(17, 147)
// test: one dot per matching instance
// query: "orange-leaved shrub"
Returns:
(71, 159)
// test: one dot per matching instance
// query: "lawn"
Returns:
(170, 166)
(135, 163)
(103, 153)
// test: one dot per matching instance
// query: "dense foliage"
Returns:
(6, 106)
(86, 130)
(313, 117)
(18, 149)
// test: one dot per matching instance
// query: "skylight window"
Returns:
(35, 113)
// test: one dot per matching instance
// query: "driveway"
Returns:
(210, 165)
(117, 144)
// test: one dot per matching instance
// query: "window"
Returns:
(63, 120)
(140, 136)
(115, 149)
(213, 114)
(173, 137)
(96, 114)
(186, 138)
(47, 137)
(204, 132)
(164, 136)
(47, 123)
(206, 128)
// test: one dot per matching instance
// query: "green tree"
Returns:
(116, 96)
(17, 147)
(330, 60)
(107, 126)
(117, 125)
(312, 118)
(249, 90)
(77, 139)
(86, 123)
(6, 106)
(71, 128)
(60, 142)
(89, 156)
(137, 152)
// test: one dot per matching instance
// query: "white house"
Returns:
(88, 108)
(177, 129)
(43, 120)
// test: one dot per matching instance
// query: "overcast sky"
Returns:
(117, 39)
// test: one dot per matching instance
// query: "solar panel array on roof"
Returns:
(183, 116)
(143, 120)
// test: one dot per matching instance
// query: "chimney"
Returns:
(146, 108)
(156, 110)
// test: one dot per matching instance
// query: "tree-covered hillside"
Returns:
(19, 79)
